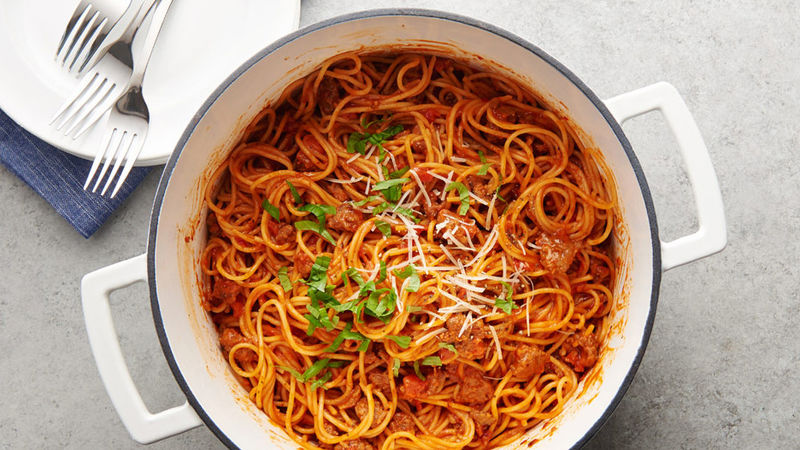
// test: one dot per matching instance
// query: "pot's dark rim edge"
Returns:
(170, 166)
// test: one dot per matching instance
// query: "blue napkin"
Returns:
(58, 177)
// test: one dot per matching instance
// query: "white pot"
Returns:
(188, 338)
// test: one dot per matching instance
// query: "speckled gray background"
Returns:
(721, 369)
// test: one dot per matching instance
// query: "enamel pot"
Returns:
(177, 235)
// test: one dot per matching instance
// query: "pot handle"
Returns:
(143, 426)
(711, 235)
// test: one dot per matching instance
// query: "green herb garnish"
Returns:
(463, 195)
(402, 341)
(357, 142)
(271, 209)
(485, 166)
(347, 334)
(396, 367)
(297, 199)
(447, 346)
(409, 272)
(383, 227)
(432, 361)
(506, 304)
(283, 276)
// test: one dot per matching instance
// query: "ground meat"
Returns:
(348, 399)
(413, 388)
(482, 418)
(380, 381)
(302, 264)
(455, 227)
(357, 444)
(212, 226)
(419, 145)
(338, 192)
(329, 428)
(303, 163)
(432, 209)
(347, 218)
(557, 251)
(362, 409)
(224, 291)
(435, 382)
(284, 235)
(328, 95)
(473, 388)
(530, 361)
(505, 113)
(449, 98)
(479, 187)
(580, 351)
(401, 422)
(472, 343)
(229, 338)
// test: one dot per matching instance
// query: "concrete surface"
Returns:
(721, 369)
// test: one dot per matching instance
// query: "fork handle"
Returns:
(141, 53)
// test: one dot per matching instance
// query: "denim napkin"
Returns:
(58, 177)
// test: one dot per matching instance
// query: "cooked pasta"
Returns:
(409, 251)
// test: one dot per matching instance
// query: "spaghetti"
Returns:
(407, 251)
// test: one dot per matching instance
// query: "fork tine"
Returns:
(87, 47)
(85, 87)
(111, 153)
(72, 30)
(130, 158)
(81, 40)
(118, 161)
(105, 143)
(93, 109)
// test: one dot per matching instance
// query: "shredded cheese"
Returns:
(430, 335)
(496, 342)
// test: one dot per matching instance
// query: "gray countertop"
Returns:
(721, 368)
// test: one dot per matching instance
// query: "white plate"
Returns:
(201, 43)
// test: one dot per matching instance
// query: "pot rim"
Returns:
(412, 12)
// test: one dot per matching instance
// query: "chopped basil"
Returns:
(396, 367)
(413, 308)
(353, 274)
(417, 371)
(506, 304)
(463, 195)
(297, 199)
(485, 166)
(409, 272)
(402, 341)
(447, 346)
(347, 334)
(391, 189)
(399, 172)
(271, 209)
(383, 227)
(371, 198)
(291, 371)
(382, 272)
(318, 278)
(283, 276)
(321, 380)
(432, 361)
(319, 211)
(357, 142)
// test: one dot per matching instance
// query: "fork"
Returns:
(130, 117)
(87, 28)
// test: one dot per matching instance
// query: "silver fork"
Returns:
(130, 118)
(103, 83)
(87, 28)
